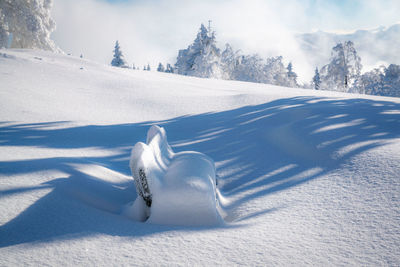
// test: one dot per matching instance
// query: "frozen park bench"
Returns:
(172, 188)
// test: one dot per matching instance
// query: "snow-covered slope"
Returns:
(305, 177)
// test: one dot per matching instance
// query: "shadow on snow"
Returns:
(258, 150)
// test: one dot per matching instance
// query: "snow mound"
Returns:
(173, 188)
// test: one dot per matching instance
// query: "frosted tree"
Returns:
(202, 58)
(26, 24)
(249, 68)
(253, 68)
(316, 81)
(343, 70)
(292, 76)
(148, 67)
(275, 72)
(118, 58)
(371, 82)
(391, 81)
(229, 62)
(379, 81)
(160, 67)
(169, 69)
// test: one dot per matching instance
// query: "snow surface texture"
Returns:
(304, 177)
(181, 186)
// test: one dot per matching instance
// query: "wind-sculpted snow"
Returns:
(176, 188)
(304, 177)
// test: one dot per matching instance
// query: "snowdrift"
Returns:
(172, 188)
(305, 177)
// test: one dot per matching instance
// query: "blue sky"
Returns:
(343, 14)
(151, 31)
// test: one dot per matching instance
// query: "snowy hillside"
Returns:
(376, 47)
(304, 177)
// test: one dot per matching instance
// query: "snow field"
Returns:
(304, 177)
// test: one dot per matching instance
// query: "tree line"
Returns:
(204, 59)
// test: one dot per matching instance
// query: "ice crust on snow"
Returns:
(181, 185)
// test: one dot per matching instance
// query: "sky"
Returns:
(153, 31)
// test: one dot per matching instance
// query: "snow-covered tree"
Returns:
(229, 62)
(26, 24)
(275, 72)
(148, 67)
(370, 82)
(169, 69)
(343, 70)
(202, 58)
(316, 81)
(160, 67)
(118, 59)
(380, 81)
(249, 68)
(253, 68)
(391, 81)
(292, 76)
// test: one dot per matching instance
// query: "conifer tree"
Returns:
(118, 59)
(316, 79)
(160, 67)
(292, 76)
(169, 69)
(202, 58)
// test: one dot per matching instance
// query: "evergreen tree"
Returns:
(148, 67)
(292, 76)
(316, 79)
(118, 59)
(169, 69)
(202, 58)
(229, 61)
(160, 67)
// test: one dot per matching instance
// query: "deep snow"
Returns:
(305, 177)
(177, 188)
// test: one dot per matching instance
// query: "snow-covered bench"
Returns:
(172, 188)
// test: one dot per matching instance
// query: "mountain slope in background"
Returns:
(376, 47)
(305, 177)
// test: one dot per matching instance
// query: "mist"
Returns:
(150, 32)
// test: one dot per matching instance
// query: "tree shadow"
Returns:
(258, 150)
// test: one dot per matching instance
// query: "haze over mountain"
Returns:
(375, 47)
